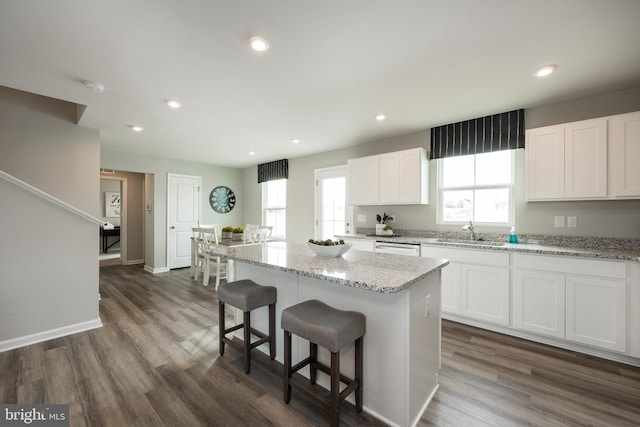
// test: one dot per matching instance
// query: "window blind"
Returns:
(503, 131)
(271, 171)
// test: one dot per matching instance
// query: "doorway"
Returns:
(333, 216)
(112, 248)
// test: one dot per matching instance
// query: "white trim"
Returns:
(133, 261)
(49, 198)
(156, 270)
(49, 335)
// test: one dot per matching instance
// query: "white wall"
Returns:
(212, 176)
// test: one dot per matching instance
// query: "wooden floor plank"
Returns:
(155, 362)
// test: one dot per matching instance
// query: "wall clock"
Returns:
(222, 199)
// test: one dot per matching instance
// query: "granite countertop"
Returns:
(603, 248)
(383, 273)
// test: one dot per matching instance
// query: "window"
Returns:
(476, 188)
(274, 206)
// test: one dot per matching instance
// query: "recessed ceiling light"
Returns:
(258, 43)
(136, 128)
(380, 117)
(173, 103)
(545, 71)
(251, 153)
(93, 86)
(295, 140)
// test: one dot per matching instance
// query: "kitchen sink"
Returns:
(471, 242)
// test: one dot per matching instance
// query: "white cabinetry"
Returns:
(624, 155)
(475, 284)
(580, 300)
(395, 178)
(360, 244)
(363, 180)
(567, 161)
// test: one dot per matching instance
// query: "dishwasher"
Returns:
(409, 249)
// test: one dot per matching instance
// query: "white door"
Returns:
(183, 213)
(333, 216)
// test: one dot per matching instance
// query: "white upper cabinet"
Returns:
(567, 162)
(624, 151)
(585, 160)
(397, 178)
(363, 180)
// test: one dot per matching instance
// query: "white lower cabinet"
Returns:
(360, 244)
(583, 301)
(475, 284)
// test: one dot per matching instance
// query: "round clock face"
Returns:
(222, 199)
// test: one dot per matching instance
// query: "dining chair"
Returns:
(196, 254)
(252, 236)
(209, 239)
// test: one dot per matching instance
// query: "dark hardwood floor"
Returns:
(155, 362)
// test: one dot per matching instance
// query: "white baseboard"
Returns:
(156, 270)
(133, 262)
(49, 335)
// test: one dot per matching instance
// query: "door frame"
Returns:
(123, 215)
(316, 205)
(170, 176)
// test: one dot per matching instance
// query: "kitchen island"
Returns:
(400, 297)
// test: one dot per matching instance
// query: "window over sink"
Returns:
(476, 188)
(274, 207)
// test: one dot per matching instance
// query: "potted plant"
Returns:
(238, 233)
(382, 228)
(227, 232)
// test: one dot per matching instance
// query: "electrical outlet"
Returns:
(559, 221)
(427, 306)
(572, 221)
(362, 218)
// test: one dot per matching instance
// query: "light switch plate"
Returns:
(559, 221)
(362, 218)
(572, 221)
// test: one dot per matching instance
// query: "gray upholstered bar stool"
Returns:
(247, 296)
(332, 329)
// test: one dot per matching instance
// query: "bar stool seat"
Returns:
(247, 295)
(332, 329)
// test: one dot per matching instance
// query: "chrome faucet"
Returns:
(471, 228)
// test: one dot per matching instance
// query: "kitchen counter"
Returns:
(596, 248)
(400, 297)
(366, 270)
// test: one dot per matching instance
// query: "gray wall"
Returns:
(53, 291)
(212, 176)
(595, 218)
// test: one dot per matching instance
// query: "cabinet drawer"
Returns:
(570, 265)
(467, 256)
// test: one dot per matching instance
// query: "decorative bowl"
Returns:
(330, 251)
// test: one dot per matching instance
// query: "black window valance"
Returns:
(491, 133)
(278, 169)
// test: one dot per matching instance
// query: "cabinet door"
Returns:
(451, 288)
(413, 182)
(538, 302)
(624, 150)
(361, 244)
(485, 293)
(585, 162)
(545, 163)
(389, 182)
(596, 312)
(363, 180)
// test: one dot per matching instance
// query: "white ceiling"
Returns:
(332, 66)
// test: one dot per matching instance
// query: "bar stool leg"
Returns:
(334, 405)
(221, 326)
(287, 366)
(358, 373)
(247, 341)
(272, 331)
(313, 368)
